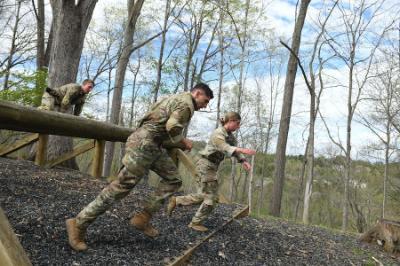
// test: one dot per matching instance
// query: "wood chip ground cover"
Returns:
(37, 201)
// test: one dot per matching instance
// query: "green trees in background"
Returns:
(234, 46)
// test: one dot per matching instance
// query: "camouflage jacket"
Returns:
(221, 144)
(69, 94)
(169, 117)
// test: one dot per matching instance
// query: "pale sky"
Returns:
(280, 17)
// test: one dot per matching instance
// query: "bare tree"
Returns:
(381, 97)
(20, 47)
(134, 9)
(314, 107)
(41, 61)
(102, 50)
(193, 30)
(276, 197)
(346, 47)
(167, 14)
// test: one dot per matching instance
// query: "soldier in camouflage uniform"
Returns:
(61, 99)
(222, 144)
(165, 122)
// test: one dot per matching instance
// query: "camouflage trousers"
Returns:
(142, 154)
(207, 193)
(48, 103)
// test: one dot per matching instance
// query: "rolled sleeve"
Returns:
(224, 147)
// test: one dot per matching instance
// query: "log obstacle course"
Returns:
(28, 119)
(42, 123)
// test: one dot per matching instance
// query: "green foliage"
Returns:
(26, 88)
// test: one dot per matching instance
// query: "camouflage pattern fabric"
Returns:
(144, 152)
(169, 117)
(221, 144)
(207, 192)
(207, 173)
(207, 196)
(62, 98)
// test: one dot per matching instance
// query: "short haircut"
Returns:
(205, 88)
(86, 81)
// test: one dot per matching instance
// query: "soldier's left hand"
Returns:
(246, 166)
(188, 144)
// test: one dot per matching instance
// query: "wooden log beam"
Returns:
(19, 144)
(183, 259)
(11, 251)
(77, 151)
(28, 119)
(22, 118)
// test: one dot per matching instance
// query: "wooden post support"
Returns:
(98, 158)
(41, 152)
(11, 251)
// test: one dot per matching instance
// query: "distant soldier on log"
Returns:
(61, 99)
(222, 144)
(165, 122)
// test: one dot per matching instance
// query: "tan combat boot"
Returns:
(141, 221)
(171, 205)
(198, 227)
(76, 236)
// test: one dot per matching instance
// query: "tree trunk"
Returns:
(70, 23)
(221, 42)
(314, 107)
(12, 48)
(134, 8)
(310, 164)
(386, 171)
(40, 50)
(242, 57)
(347, 175)
(300, 187)
(160, 58)
(280, 161)
(250, 201)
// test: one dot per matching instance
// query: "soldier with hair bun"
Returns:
(222, 144)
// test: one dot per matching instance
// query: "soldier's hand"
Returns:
(246, 166)
(247, 151)
(188, 144)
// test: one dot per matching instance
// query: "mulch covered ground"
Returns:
(37, 201)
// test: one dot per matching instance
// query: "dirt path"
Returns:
(37, 201)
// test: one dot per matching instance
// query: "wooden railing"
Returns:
(43, 123)
(27, 119)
